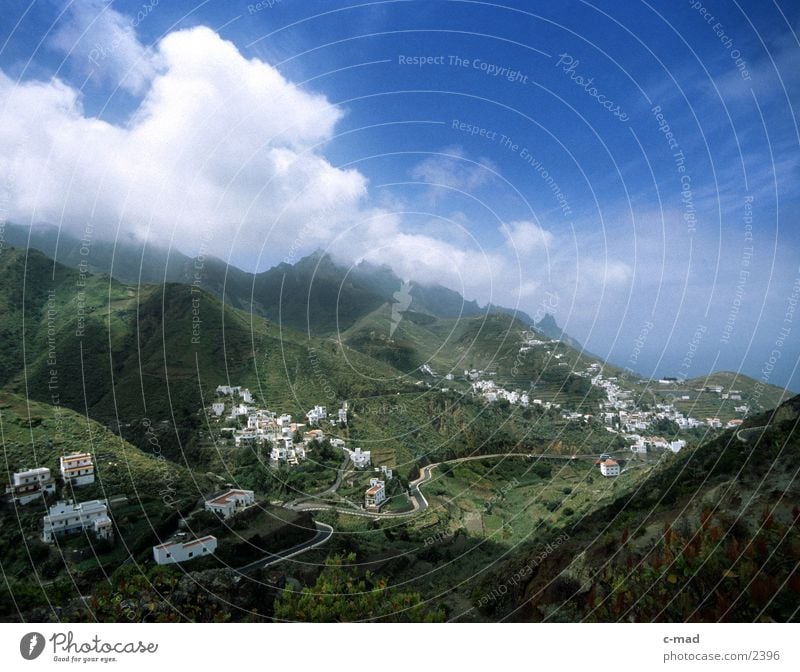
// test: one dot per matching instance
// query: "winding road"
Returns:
(418, 501)
(323, 535)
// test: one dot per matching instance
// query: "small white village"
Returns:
(619, 413)
(285, 442)
(265, 427)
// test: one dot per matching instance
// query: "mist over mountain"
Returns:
(316, 293)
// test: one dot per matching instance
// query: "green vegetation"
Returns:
(701, 539)
(127, 373)
(340, 594)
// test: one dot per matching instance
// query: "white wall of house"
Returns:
(68, 517)
(172, 552)
(230, 502)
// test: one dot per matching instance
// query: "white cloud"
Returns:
(102, 43)
(216, 138)
(526, 237)
(225, 145)
(451, 168)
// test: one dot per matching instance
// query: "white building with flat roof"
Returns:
(360, 458)
(375, 494)
(30, 484)
(609, 467)
(316, 414)
(69, 518)
(181, 551)
(229, 503)
(77, 469)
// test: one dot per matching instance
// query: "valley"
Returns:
(427, 450)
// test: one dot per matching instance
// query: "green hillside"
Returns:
(147, 495)
(154, 354)
(712, 535)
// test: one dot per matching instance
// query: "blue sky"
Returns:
(514, 151)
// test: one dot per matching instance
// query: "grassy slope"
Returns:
(35, 434)
(712, 535)
(137, 355)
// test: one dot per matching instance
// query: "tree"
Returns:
(341, 595)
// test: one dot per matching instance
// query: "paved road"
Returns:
(294, 503)
(751, 430)
(418, 500)
(324, 533)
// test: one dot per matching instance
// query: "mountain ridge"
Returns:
(304, 290)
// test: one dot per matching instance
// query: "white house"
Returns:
(245, 438)
(77, 469)
(240, 409)
(360, 458)
(218, 409)
(31, 484)
(279, 451)
(231, 502)
(609, 467)
(675, 446)
(178, 551)
(247, 396)
(375, 494)
(387, 472)
(316, 414)
(68, 517)
(314, 435)
(343, 415)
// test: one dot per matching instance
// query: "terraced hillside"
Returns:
(713, 535)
